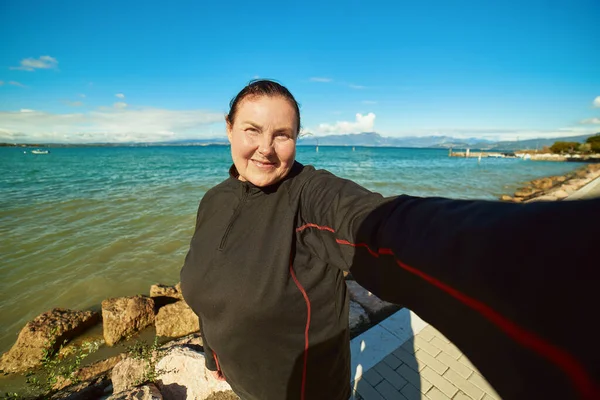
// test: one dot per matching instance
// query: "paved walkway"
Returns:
(404, 358)
(589, 191)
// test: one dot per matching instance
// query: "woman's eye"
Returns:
(282, 136)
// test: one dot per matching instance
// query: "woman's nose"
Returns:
(265, 146)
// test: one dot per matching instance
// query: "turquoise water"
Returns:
(83, 224)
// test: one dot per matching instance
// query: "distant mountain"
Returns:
(531, 144)
(375, 139)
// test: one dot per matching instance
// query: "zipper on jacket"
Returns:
(233, 218)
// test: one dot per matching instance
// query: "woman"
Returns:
(505, 282)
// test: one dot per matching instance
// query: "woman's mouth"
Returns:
(263, 164)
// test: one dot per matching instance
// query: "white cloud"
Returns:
(596, 102)
(353, 86)
(369, 102)
(120, 95)
(120, 105)
(109, 125)
(15, 83)
(82, 96)
(320, 79)
(31, 64)
(363, 123)
(591, 120)
(26, 110)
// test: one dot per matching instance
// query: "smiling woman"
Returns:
(263, 131)
(265, 271)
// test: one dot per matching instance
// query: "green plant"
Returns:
(56, 368)
(149, 354)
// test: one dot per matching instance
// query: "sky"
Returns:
(114, 71)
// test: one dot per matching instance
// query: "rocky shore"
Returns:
(51, 349)
(555, 188)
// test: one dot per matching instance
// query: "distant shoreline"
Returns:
(113, 145)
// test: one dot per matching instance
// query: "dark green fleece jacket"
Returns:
(507, 283)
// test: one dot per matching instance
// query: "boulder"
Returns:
(505, 197)
(543, 183)
(90, 371)
(45, 334)
(129, 373)
(160, 290)
(175, 320)
(230, 395)
(146, 392)
(527, 192)
(568, 188)
(93, 389)
(559, 179)
(181, 374)
(545, 197)
(376, 308)
(560, 194)
(124, 316)
(193, 341)
(358, 320)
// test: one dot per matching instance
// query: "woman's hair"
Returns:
(263, 87)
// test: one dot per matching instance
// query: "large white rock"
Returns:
(128, 373)
(181, 374)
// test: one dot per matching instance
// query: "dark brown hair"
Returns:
(263, 87)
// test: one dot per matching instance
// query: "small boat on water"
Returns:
(38, 151)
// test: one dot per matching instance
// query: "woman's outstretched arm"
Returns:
(514, 286)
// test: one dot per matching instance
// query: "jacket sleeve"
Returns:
(512, 285)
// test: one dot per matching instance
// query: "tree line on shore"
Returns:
(591, 145)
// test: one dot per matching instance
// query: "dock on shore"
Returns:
(591, 158)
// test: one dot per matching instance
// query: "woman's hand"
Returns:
(218, 375)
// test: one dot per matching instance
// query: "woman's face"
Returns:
(263, 139)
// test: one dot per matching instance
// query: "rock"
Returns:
(91, 371)
(230, 395)
(181, 374)
(193, 341)
(146, 392)
(175, 320)
(560, 194)
(505, 197)
(376, 308)
(526, 192)
(358, 318)
(543, 183)
(47, 331)
(545, 197)
(129, 373)
(160, 290)
(124, 316)
(568, 188)
(92, 389)
(559, 179)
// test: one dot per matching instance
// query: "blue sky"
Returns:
(76, 71)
